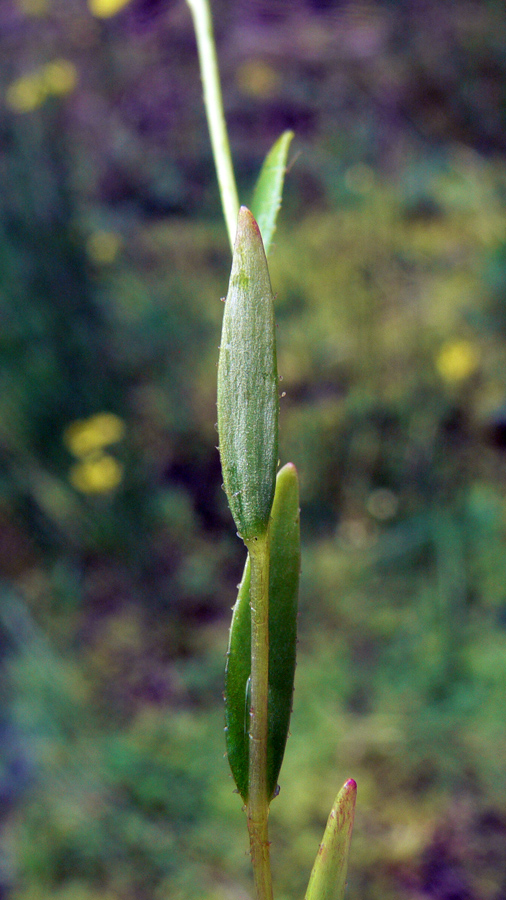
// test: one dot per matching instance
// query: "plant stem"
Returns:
(213, 101)
(257, 808)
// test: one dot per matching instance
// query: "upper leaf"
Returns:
(268, 192)
(248, 387)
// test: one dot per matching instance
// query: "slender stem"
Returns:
(213, 101)
(258, 802)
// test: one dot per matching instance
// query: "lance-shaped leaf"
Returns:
(328, 878)
(268, 191)
(284, 541)
(248, 385)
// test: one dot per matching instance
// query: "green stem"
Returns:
(213, 101)
(257, 808)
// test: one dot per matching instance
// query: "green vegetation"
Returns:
(118, 579)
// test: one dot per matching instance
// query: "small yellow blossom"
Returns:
(25, 93)
(86, 436)
(30, 91)
(257, 78)
(457, 360)
(60, 77)
(103, 247)
(104, 9)
(96, 474)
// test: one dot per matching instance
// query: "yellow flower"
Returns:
(103, 246)
(27, 92)
(257, 78)
(457, 360)
(59, 77)
(96, 474)
(104, 9)
(87, 436)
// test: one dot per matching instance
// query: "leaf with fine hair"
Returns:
(284, 542)
(328, 878)
(248, 390)
(268, 192)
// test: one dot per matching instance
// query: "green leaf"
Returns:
(328, 878)
(268, 192)
(248, 390)
(284, 541)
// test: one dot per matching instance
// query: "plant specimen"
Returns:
(264, 505)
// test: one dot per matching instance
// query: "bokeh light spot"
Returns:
(96, 474)
(25, 94)
(86, 436)
(256, 78)
(28, 92)
(60, 77)
(382, 504)
(103, 247)
(104, 9)
(457, 360)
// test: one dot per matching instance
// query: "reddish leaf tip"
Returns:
(246, 222)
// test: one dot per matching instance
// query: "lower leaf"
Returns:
(284, 570)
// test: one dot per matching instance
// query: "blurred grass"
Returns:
(114, 675)
(118, 557)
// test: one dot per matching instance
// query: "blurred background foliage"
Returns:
(117, 554)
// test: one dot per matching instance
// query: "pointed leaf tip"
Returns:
(248, 236)
(328, 878)
(268, 192)
(246, 219)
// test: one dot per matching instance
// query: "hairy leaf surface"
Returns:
(248, 400)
